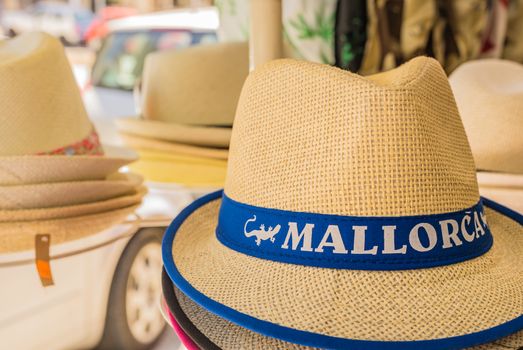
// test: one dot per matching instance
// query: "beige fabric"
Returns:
(418, 20)
(57, 194)
(489, 95)
(506, 189)
(39, 99)
(20, 235)
(227, 335)
(513, 49)
(313, 138)
(188, 93)
(74, 210)
(176, 133)
(19, 170)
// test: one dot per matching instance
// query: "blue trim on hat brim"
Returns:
(314, 339)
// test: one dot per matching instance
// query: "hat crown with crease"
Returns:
(41, 109)
(309, 138)
(489, 95)
(195, 86)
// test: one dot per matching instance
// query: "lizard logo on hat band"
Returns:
(367, 243)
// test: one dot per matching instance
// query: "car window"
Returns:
(119, 63)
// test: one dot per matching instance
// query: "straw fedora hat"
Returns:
(351, 217)
(56, 194)
(46, 135)
(190, 96)
(198, 328)
(489, 94)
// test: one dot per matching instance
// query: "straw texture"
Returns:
(378, 305)
(489, 95)
(39, 98)
(54, 168)
(74, 210)
(312, 138)
(56, 194)
(20, 235)
(227, 335)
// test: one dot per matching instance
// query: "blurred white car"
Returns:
(106, 286)
(119, 63)
(59, 19)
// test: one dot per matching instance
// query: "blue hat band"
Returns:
(353, 242)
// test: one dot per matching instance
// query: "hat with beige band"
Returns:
(189, 96)
(46, 135)
(351, 217)
(198, 328)
(489, 95)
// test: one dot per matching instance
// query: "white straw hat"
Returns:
(55, 194)
(190, 96)
(351, 217)
(489, 95)
(43, 117)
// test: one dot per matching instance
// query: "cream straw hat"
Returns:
(489, 94)
(44, 123)
(210, 331)
(16, 236)
(190, 96)
(351, 217)
(55, 194)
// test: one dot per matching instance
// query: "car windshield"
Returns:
(120, 61)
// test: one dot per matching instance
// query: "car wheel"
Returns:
(134, 320)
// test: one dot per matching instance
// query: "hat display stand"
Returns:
(59, 186)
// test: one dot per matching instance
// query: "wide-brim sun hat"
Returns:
(65, 211)
(57, 194)
(17, 236)
(351, 217)
(189, 96)
(198, 328)
(46, 135)
(489, 95)
(188, 171)
(175, 149)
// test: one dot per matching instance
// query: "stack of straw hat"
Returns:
(350, 219)
(489, 94)
(55, 176)
(188, 100)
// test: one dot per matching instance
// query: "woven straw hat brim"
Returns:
(210, 331)
(182, 170)
(20, 170)
(20, 235)
(57, 194)
(74, 210)
(137, 142)
(440, 305)
(211, 136)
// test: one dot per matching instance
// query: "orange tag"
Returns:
(43, 266)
